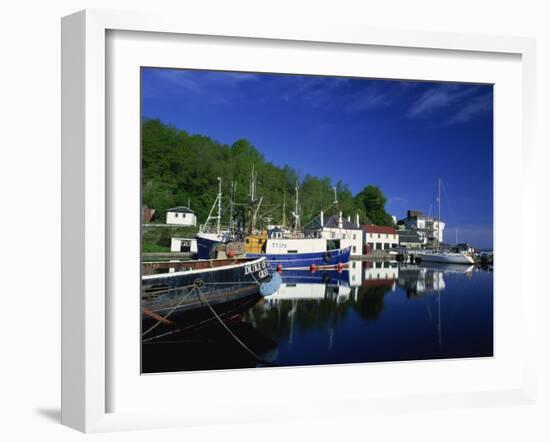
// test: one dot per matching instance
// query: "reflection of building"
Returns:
(428, 228)
(335, 228)
(182, 216)
(379, 238)
(380, 273)
(355, 269)
(419, 280)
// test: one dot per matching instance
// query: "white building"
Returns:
(182, 216)
(339, 229)
(411, 239)
(427, 226)
(380, 238)
(185, 245)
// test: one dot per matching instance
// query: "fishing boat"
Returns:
(167, 298)
(292, 249)
(210, 237)
(444, 256)
(295, 253)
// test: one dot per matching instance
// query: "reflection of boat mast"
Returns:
(439, 310)
(292, 314)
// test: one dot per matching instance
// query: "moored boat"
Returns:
(446, 257)
(295, 253)
(167, 297)
(207, 243)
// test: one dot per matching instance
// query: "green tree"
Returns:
(374, 201)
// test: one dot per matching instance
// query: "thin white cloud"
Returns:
(179, 78)
(458, 101)
(477, 106)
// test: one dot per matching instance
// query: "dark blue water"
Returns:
(374, 312)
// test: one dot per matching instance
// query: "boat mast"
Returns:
(284, 209)
(218, 202)
(297, 208)
(219, 205)
(438, 209)
(231, 204)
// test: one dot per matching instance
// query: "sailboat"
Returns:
(443, 256)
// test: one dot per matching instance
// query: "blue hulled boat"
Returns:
(329, 258)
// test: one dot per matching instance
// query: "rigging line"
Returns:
(145, 341)
(167, 290)
(224, 325)
(164, 318)
(325, 209)
(448, 206)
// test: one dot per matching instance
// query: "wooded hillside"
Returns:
(178, 166)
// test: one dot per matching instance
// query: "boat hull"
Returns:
(329, 277)
(446, 258)
(330, 258)
(206, 244)
(167, 297)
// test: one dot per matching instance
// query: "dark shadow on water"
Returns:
(51, 414)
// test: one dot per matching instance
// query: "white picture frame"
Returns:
(85, 198)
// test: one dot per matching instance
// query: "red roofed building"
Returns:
(379, 238)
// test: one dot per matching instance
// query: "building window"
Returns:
(176, 215)
(354, 236)
(379, 235)
(183, 215)
(354, 249)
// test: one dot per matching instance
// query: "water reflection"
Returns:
(373, 311)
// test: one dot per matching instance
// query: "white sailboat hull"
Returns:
(448, 258)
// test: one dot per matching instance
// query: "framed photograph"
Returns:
(291, 218)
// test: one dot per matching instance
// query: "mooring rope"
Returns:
(224, 325)
(164, 318)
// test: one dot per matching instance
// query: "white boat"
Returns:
(446, 257)
(441, 255)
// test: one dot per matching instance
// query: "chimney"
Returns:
(349, 219)
(340, 223)
(357, 219)
(322, 219)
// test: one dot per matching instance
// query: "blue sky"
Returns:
(398, 135)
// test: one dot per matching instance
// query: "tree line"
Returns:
(178, 167)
